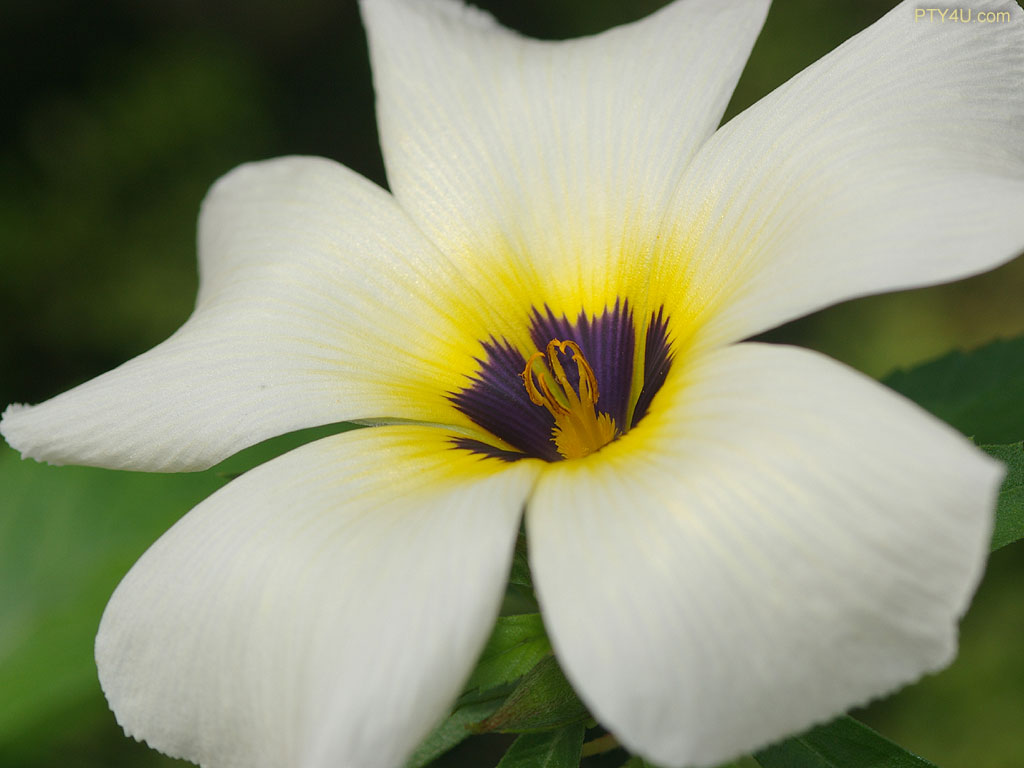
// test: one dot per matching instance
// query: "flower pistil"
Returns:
(579, 428)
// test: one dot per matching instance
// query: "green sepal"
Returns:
(453, 730)
(843, 743)
(552, 749)
(1009, 525)
(542, 701)
(981, 392)
(515, 647)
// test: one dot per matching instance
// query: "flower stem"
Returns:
(601, 744)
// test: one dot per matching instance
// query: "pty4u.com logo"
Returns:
(962, 15)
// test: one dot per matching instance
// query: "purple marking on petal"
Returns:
(658, 356)
(487, 451)
(498, 402)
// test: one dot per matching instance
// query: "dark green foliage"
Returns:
(551, 749)
(981, 392)
(843, 743)
(452, 731)
(1009, 525)
(543, 700)
(515, 647)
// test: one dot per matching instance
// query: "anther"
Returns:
(579, 430)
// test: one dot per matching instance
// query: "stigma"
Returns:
(579, 428)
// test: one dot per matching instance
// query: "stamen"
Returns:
(546, 397)
(579, 429)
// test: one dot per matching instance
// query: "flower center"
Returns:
(543, 405)
(579, 429)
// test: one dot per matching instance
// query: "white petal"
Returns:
(778, 540)
(558, 157)
(302, 264)
(322, 610)
(895, 161)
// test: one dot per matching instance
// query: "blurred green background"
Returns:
(120, 116)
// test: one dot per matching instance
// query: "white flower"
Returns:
(745, 539)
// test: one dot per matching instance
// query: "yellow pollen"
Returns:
(579, 429)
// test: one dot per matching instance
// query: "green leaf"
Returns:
(520, 575)
(981, 392)
(515, 647)
(1010, 506)
(519, 594)
(452, 731)
(553, 749)
(843, 743)
(543, 700)
(638, 762)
